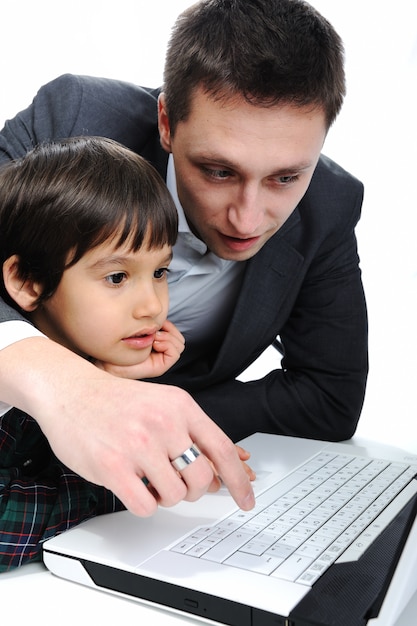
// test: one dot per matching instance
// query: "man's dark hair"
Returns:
(268, 51)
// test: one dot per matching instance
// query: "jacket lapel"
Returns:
(266, 295)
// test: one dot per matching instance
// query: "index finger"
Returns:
(219, 449)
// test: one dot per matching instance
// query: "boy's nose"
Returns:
(148, 303)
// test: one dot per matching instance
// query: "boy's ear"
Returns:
(26, 293)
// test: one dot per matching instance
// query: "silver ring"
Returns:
(186, 458)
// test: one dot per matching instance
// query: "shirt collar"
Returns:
(183, 227)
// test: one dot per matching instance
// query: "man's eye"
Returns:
(287, 180)
(116, 279)
(161, 272)
(216, 173)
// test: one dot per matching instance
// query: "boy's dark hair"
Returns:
(269, 51)
(66, 197)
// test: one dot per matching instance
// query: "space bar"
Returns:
(227, 547)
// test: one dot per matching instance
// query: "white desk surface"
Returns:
(37, 596)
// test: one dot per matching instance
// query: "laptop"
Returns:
(332, 541)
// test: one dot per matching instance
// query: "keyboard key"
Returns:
(293, 567)
(264, 564)
(227, 547)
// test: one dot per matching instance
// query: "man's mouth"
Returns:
(238, 244)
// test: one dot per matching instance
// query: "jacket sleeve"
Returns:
(51, 115)
(73, 105)
(319, 391)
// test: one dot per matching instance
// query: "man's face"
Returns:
(241, 169)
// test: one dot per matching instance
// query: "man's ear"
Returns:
(25, 293)
(163, 124)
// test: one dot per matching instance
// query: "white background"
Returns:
(375, 137)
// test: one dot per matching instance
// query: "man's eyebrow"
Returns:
(228, 164)
(293, 169)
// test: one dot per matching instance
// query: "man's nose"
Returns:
(245, 213)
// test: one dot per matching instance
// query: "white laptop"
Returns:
(332, 541)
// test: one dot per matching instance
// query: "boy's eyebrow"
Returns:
(120, 259)
(109, 260)
(168, 258)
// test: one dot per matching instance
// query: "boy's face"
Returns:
(241, 169)
(110, 304)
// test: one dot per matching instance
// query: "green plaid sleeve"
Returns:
(39, 496)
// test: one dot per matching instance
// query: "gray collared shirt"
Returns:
(203, 288)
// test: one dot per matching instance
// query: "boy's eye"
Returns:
(161, 272)
(116, 279)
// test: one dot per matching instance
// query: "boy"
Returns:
(86, 229)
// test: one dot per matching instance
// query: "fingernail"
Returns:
(249, 501)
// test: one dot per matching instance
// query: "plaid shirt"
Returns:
(39, 496)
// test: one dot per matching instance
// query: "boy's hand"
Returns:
(166, 350)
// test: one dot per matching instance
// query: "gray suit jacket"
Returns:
(304, 285)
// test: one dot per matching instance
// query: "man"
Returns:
(266, 248)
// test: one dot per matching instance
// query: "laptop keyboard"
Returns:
(329, 509)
